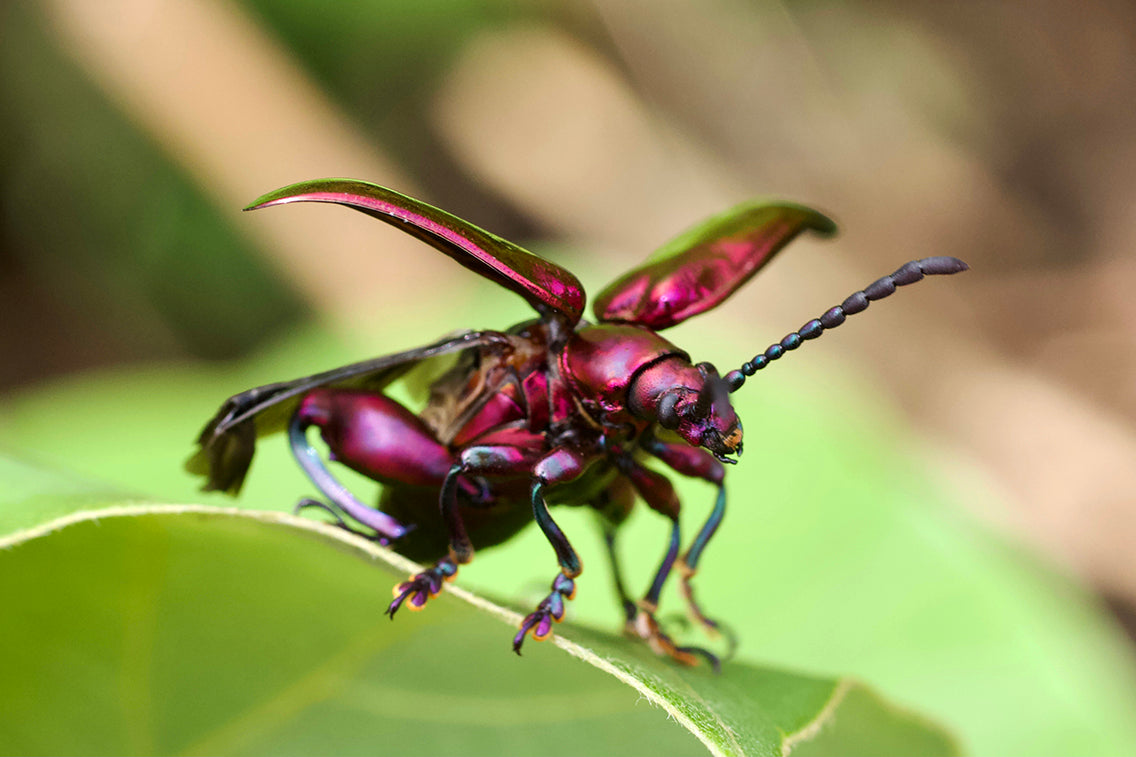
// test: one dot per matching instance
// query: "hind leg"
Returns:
(308, 503)
(371, 434)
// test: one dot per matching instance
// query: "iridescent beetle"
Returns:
(553, 411)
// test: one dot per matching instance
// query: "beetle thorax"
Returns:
(599, 363)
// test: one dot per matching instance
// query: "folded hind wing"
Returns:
(228, 441)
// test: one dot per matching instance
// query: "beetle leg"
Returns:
(423, 586)
(309, 503)
(688, 567)
(558, 466)
(614, 505)
(373, 435)
(551, 608)
(549, 611)
(496, 459)
(696, 463)
(625, 601)
(660, 496)
(387, 527)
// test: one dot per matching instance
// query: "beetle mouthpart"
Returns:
(721, 447)
(734, 440)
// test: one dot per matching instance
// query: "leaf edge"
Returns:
(359, 544)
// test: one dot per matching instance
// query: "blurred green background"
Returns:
(895, 460)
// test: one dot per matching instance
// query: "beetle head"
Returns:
(691, 400)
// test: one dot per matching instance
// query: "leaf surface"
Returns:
(194, 630)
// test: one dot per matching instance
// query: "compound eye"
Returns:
(710, 393)
(668, 415)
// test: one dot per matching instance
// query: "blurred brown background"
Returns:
(1002, 133)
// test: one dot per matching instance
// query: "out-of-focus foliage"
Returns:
(108, 251)
(388, 87)
(995, 133)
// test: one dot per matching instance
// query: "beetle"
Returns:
(552, 411)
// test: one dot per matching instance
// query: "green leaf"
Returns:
(173, 629)
(34, 496)
(839, 554)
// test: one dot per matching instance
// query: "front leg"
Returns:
(695, 463)
(660, 496)
(559, 466)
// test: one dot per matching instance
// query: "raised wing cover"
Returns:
(700, 268)
(544, 285)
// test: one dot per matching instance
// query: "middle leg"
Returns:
(660, 496)
(614, 505)
(487, 460)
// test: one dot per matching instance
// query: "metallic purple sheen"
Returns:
(549, 412)
(599, 361)
(700, 268)
(563, 464)
(716, 427)
(377, 437)
(544, 285)
(692, 462)
(499, 410)
(499, 459)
